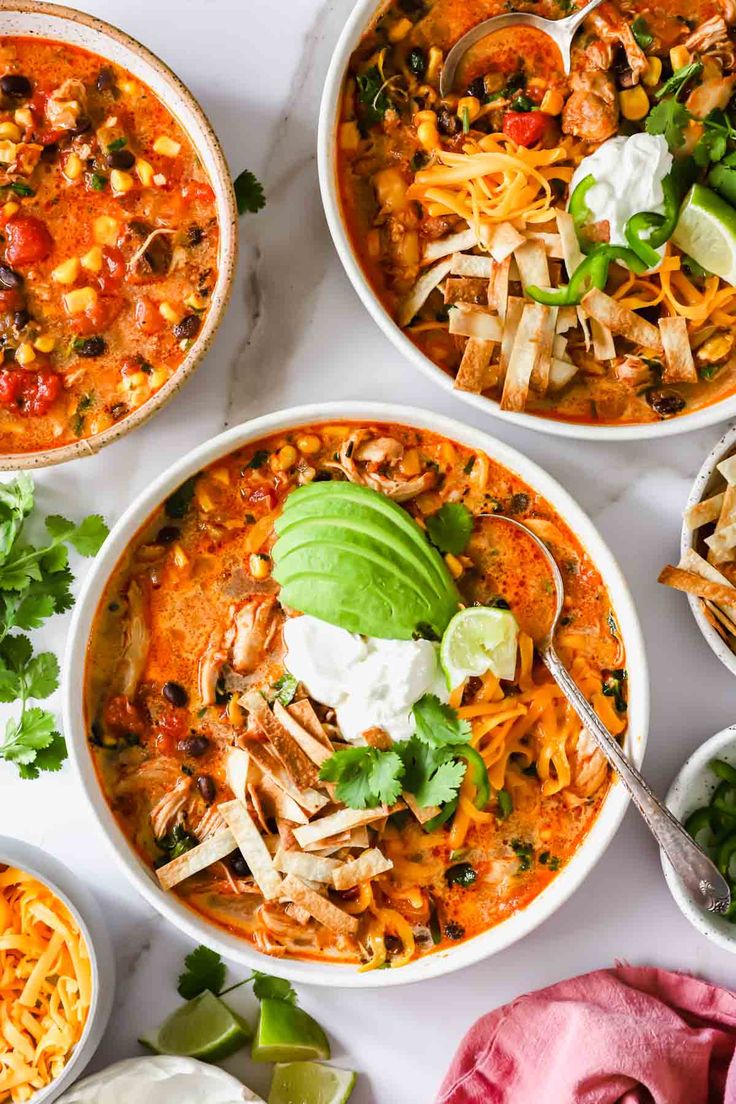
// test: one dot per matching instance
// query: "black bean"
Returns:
(519, 503)
(120, 159)
(175, 693)
(84, 123)
(105, 80)
(9, 278)
(90, 347)
(665, 402)
(393, 944)
(119, 410)
(21, 319)
(477, 88)
(238, 865)
(447, 122)
(13, 84)
(168, 534)
(50, 152)
(194, 746)
(462, 874)
(206, 787)
(417, 61)
(195, 234)
(454, 931)
(188, 327)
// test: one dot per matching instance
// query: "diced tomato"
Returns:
(148, 317)
(263, 496)
(32, 392)
(198, 192)
(99, 317)
(171, 727)
(121, 715)
(12, 299)
(29, 240)
(113, 270)
(524, 127)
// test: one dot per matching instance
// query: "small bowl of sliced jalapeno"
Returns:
(703, 798)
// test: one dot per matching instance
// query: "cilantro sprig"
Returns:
(249, 194)
(204, 969)
(450, 528)
(35, 583)
(668, 117)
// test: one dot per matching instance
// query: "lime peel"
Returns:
(706, 231)
(202, 1028)
(477, 640)
(310, 1083)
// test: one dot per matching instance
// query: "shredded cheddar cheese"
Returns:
(45, 985)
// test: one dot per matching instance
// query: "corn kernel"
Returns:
(73, 167)
(159, 180)
(127, 87)
(66, 272)
(11, 131)
(454, 565)
(349, 136)
(434, 64)
(133, 381)
(680, 56)
(145, 172)
(8, 152)
(25, 353)
(106, 230)
(425, 116)
(221, 476)
(121, 182)
(411, 464)
(45, 343)
(468, 107)
(653, 72)
(634, 103)
(179, 556)
(260, 565)
(10, 209)
(80, 300)
(552, 102)
(235, 711)
(195, 302)
(285, 458)
(166, 146)
(309, 444)
(399, 30)
(429, 137)
(171, 314)
(157, 379)
(24, 117)
(92, 259)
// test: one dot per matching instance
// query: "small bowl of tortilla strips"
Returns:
(56, 975)
(707, 568)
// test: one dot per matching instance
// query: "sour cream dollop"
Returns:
(367, 681)
(160, 1080)
(628, 174)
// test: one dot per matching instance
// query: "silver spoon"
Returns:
(706, 886)
(561, 31)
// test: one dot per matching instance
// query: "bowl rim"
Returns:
(677, 802)
(360, 19)
(465, 953)
(64, 884)
(227, 216)
(723, 446)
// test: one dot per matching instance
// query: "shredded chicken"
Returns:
(728, 7)
(167, 812)
(381, 450)
(65, 104)
(710, 95)
(709, 34)
(211, 662)
(608, 24)
(255, 624)
(588, 765)
(591, 112)
(137, 641)
(400, 490)
(633, 371)
(210, 823)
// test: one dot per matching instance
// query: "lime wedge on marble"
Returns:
(202, 1028)
(477, 640)
(706, 231)
(287, 1034)
(310, 1083)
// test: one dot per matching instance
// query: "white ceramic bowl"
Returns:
(705, 483)
(360, 19)
(692, 788)
(88, 915)
(35, 18)
(316, 973)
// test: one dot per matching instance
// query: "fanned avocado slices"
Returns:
(352, 557)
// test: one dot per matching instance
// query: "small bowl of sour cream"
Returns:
(163, 1079)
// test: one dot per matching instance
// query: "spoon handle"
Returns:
(699, 875)
(572, 22)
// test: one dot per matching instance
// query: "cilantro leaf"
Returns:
(204, 970)
(285, 688)
(266, 987)
(432, 775)
(32, 610)
(372, 95)
(179, 501)
(41, 675)
(438, 725)
(451, 527)
(16, 652)
(364, 776)
(49, 758)
(670, 119)
(679, 79)
(89, 536)
(249, 193)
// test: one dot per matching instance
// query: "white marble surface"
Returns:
(297, 332)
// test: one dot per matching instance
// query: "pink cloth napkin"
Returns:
(630, 1035)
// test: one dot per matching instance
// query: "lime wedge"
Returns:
(202, 1028)
(477, 640)
(706, 230)
(310, 1083)
(287, 1034)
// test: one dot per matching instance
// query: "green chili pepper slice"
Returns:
(726, 851)
(442, 817)
(657, 228)
(590, 273)
(580, 211)
(478, 773)
(724, 771)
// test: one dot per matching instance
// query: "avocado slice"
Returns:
(352, 557)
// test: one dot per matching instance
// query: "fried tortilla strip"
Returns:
(475, 372)
(514, 307)
(721, 544)
(532, 261)
(314, 749)
(540, 373)
(679, 366)
(703, 513)
(501, 240)
(691, 583)
(329, 846)
(468, 320)
(524, 355)
(727, 468)
(366, 866)
(444, 247)
(319, 907)
(238, 770)
(310, 800)
(727, 515)
(315, 868)
(621, 320)
(341, 821)
(465, 289)
(199, 858)
(471, 264)
(498, 286)
(422, 290)
(721, 622)
(421, 813)
(570, 246)
(253, 848)
(303, 712)
(567, 319)
(560, 373)
(281, 805)
(603, 346)
(299, 766)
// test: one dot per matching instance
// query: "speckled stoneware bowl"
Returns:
(692, 788)
(44, 20)
(708, 478)
(88, 915)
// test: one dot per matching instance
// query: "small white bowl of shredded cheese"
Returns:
(67, 969)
